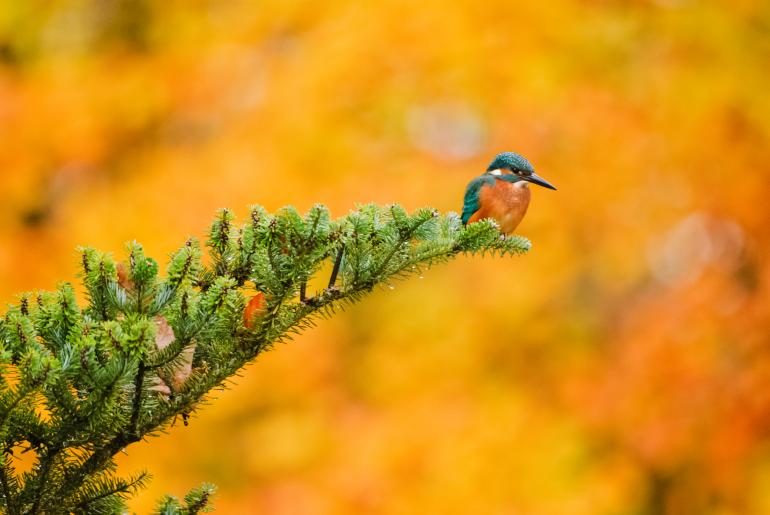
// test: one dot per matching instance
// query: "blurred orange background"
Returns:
(621, 367)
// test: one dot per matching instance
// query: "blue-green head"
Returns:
(512, 167)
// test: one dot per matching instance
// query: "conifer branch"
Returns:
(145, 349)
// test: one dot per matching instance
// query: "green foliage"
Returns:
(78, 385)
(197, 501)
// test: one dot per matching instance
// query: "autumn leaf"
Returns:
(255, 309)
(182, 368)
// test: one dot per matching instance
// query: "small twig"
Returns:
(45, 468)
(336, 269)
(10, 503)
(303, 292)
(125, 487)
(137, 401)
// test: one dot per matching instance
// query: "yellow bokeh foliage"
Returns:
(621, 367)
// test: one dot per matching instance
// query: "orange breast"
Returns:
(506, 202)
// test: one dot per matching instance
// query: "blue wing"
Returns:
(471, 203)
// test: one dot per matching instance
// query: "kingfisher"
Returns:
(502, 192)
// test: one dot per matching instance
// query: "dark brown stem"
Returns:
(336, 269)
(303, 292)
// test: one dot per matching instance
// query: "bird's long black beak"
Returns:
(539, 181)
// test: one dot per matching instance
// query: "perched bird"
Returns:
(502, 192)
